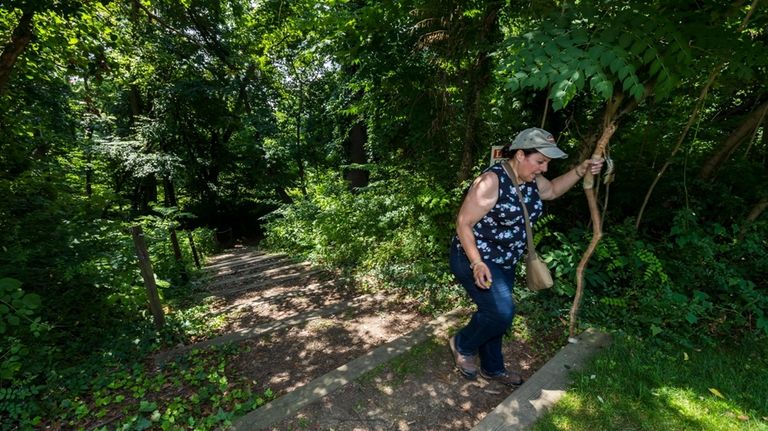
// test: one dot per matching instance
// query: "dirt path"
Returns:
(416, 391)
(250, 288)
(420, 391)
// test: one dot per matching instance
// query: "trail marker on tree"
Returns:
(496, 154)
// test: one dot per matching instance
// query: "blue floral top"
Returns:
(500, 234)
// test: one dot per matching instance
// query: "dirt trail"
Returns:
(417, 391)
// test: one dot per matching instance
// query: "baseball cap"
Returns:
(540, 140)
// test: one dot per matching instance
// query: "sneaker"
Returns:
(465, 364)
(505, 378)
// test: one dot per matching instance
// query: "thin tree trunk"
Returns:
(176, 247)
(145, 265)
(134, 100)
(357, 137)
(757, 210)
(479, 78)
(88, 174)
(20, 38)
(169, 199)
(169, 193)
(470, 127)
(691, 119)
(732, 142)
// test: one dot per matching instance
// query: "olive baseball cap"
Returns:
(538, 139)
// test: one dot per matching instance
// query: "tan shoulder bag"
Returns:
(537, 275)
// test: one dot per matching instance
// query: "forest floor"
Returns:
(295, 324)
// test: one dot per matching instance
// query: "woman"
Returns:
(490, 240)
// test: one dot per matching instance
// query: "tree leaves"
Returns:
(618, 53)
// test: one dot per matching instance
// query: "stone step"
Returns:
(232, 254)
(255, 284)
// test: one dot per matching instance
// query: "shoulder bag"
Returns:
(537, 275)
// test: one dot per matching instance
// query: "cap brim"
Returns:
(552, 152)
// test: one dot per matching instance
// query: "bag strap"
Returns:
(528, 230)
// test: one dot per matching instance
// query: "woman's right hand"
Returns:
(483, 278)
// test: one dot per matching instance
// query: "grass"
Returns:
(633, 386)
(411, 363)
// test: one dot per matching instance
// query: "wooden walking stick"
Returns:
(609, 127)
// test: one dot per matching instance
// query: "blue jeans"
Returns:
(495, 311)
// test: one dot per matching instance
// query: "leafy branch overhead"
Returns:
(595, 54)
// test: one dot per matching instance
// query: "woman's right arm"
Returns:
(481, 197)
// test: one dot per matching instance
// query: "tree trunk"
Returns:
(753, 215)
(20, 38)
(88, 175)
(145, 265)
(134, 100)
(357, 137)
(176, 248)
(732, 142)
(144, 193)
(169, 193)
(479, 76)
(758, 209)
(471, 108)
(169, 199)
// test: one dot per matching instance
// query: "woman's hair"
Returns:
(507, 153)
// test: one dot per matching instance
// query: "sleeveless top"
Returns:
(500, 234)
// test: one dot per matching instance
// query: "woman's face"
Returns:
(531, 165)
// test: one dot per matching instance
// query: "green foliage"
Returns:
(726, 289)
(19, 323)
(195, 391)
(628, 275)
(590, 49)
(396, 230)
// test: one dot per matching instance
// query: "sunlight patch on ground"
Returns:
(702, 410)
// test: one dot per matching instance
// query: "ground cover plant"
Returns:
(636, 385)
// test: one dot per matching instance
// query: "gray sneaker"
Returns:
(465, 364)
(505, 378)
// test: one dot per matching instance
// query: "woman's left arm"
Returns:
(549, 190)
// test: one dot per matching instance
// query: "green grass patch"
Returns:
(632, 386)
(410, 363)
